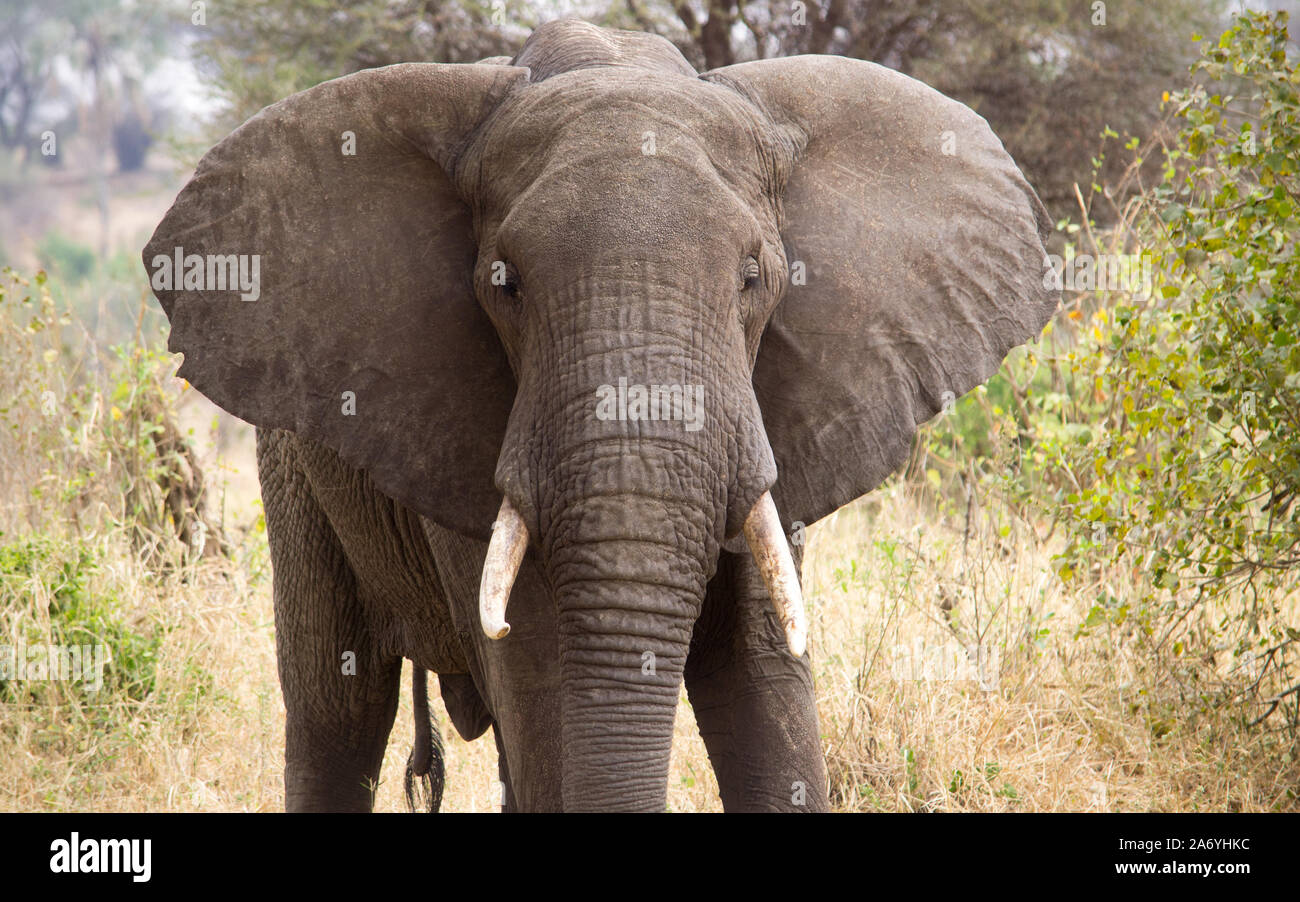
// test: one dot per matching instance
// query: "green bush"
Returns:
(1156, 429)
(70, 259)
(54, 593)
(1195, 462)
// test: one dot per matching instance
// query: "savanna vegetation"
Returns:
(1079, 594)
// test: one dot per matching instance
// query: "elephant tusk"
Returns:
(505, 554)
(768, 543)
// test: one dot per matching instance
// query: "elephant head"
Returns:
(624, 312)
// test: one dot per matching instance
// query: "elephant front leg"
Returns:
(337, 721)
(340, 692)
(753, 701)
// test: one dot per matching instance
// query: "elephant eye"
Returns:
(506, 277)
(749, 273)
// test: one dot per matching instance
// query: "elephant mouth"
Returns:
(762, 532)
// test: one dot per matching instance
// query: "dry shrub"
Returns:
(1065, 717)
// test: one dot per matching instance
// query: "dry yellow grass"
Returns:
(1102, 722)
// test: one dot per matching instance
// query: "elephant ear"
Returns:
(360, 329)
(922, 255)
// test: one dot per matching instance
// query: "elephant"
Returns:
(549, 358)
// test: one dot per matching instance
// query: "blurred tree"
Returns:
(26, 57)
(259, 51)
(131, 141)
(1048, 75)
(87, 55)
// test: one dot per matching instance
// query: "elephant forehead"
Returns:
(601, 130)
(651, 211)
(567, 45)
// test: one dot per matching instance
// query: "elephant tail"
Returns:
(425, 770)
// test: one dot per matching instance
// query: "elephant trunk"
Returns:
(614, 625)
(629, 572)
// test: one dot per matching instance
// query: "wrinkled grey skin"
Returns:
(899, 257)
